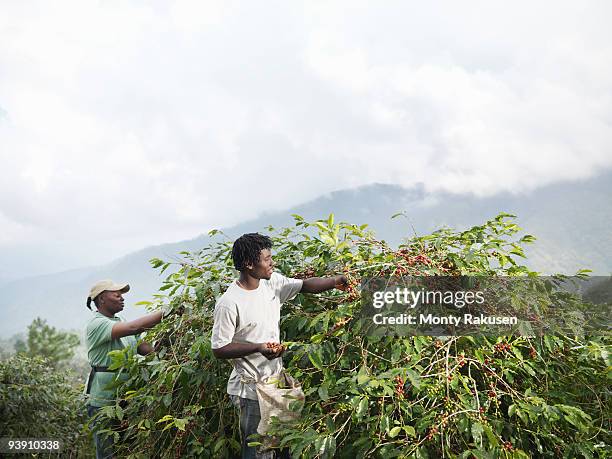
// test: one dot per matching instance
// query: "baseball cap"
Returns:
(104, 285)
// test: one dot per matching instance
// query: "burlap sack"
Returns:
(275, 394)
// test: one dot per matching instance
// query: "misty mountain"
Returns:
(572, 222)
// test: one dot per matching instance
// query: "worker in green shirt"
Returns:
(106, 332)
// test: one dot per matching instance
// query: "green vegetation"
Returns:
(37, 401)
(44, 341)
(40, 395)
(369, 396)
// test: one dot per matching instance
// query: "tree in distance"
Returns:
(44, 341)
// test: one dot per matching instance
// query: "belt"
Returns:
(94, 370)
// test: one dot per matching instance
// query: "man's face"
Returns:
(264, 267)
(112, 301)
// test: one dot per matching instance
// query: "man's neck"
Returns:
(247, 282)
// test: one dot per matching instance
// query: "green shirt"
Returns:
(99, 344)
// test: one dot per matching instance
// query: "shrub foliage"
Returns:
(37, 401)
(368, 396)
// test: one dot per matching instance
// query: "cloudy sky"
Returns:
(124, 124)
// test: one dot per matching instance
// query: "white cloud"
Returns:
(138, 123)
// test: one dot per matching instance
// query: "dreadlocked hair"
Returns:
(247, 248)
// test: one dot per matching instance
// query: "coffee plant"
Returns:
(37, 401)
(367, 396)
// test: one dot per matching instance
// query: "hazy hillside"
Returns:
(572, 222)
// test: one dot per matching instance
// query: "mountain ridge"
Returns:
(571, 221)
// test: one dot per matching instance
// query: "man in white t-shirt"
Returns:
(246, 325)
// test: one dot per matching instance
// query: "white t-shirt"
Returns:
(252, 316)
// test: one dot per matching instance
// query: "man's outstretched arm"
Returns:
(322, 284)
(136, 326)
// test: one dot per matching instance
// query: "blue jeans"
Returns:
(249, 420)
(103, 443)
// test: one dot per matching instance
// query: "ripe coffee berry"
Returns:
(399, 386)
(341, 323)
(502, 347)
(276, 347)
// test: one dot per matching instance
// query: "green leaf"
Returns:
(477, 431)
(527, 239)
(414, 378)
(315, 359)
(384, 423)
(517, 352)
(394, 432)
(180, 423)
(490, 435)
(362, 407)
(362, 376)
(143, 303)
(328, 447)
(318, 338)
